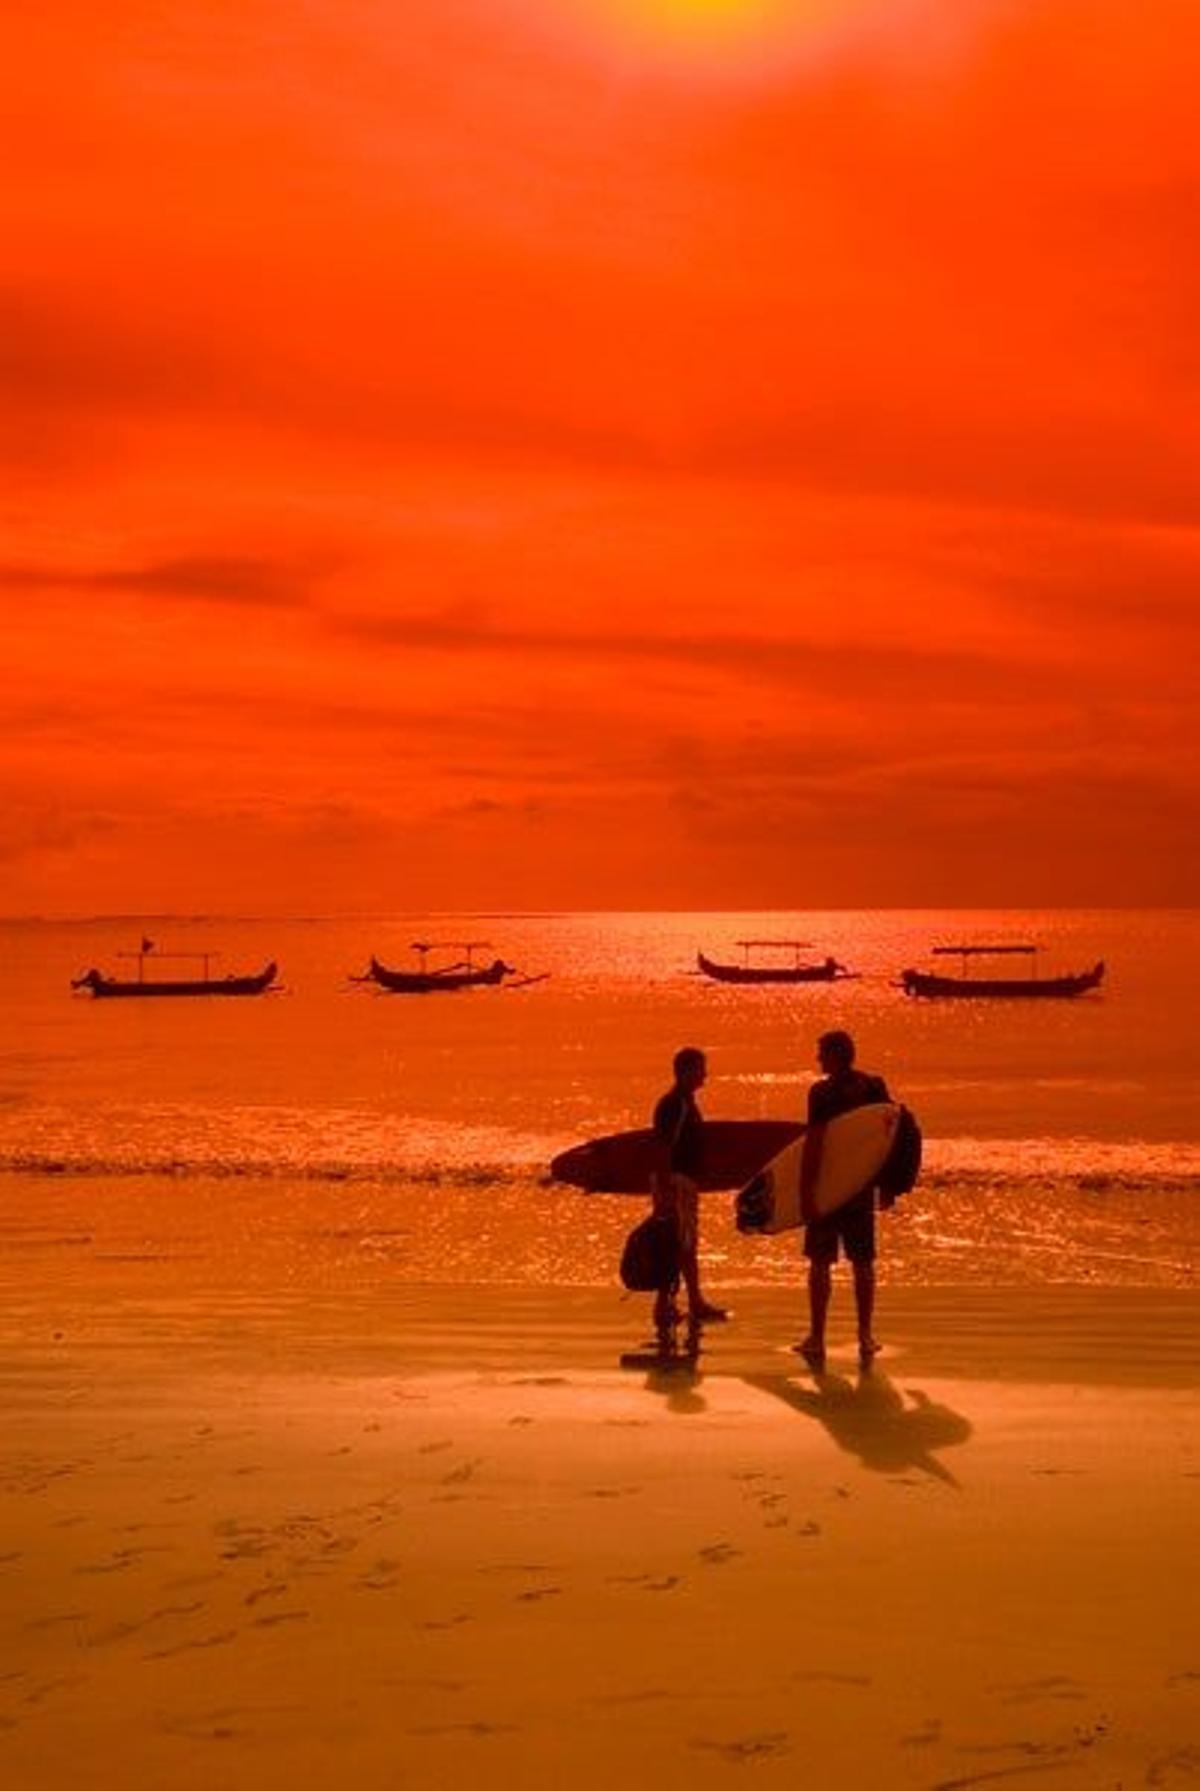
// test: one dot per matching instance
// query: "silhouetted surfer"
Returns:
(679, 1131)
(852, 1227)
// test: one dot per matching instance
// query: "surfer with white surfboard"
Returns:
(850, 1228)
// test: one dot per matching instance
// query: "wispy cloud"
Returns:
(232, 579)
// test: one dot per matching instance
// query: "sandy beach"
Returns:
(268, 1530)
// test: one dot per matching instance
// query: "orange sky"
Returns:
(598, 453)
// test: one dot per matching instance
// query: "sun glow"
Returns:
(704, 20)
(724, 35)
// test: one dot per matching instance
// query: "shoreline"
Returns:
(127, 1233)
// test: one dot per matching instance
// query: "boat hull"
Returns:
(106, 988)
(741, 973)
(927, 987)
(412, 982)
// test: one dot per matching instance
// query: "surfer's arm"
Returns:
(664, 1191)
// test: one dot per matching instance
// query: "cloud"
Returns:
(855, 665)
(215, 578)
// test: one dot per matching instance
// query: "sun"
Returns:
(719, 33)
(703, 18)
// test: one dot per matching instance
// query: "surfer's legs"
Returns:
(864, 1300)
(666, 1313)
(820, 1285)
(688, 1209)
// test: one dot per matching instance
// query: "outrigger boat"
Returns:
(107, 986)
(463, 975)
(828, 971)
(930, 986)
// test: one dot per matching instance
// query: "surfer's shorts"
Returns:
(851, 1229)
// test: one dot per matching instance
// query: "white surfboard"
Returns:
(855, 1147)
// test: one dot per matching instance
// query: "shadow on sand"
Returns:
(887, 1430)
(672, 1370)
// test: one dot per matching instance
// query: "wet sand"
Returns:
(298, 1530)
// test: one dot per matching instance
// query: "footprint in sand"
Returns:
(40, 1693)
(717, 1553)
(382, 1577)
(1054, 1689)
(435, 1623)
(537, 1593)
(645, 1582)
(1033, 1756)
(275, 1589)
(749, 1747)
(115, 1565)
(274, 1618)
(212, 1725)
(435, 1448)
(121, 1632)
(516, 1567)
(480, 1729)
(460, 1475)
(193, 1579)
(219, 1640)
(929, 1733)
(1183, 1764)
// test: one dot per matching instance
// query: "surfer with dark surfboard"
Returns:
(679, 1156)
(852, 1227)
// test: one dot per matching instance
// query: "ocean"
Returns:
(1062, 1138)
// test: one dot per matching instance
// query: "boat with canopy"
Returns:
(141, 986)
(930, 985)
(826, 971)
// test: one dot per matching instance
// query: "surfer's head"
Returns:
(691, 1067)
(835, 1051)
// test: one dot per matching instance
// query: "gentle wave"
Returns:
(1147, 1174)
(257, 1169)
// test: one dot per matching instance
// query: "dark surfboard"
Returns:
(734, 1150)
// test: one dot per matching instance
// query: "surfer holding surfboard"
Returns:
(679, 1161)
(851, 1227)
